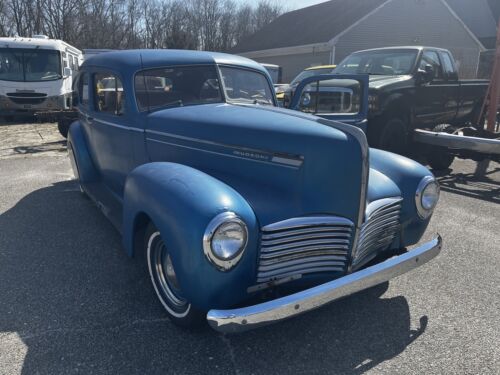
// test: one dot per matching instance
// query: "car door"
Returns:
(111, 122)
(339, 97)
(432, 96)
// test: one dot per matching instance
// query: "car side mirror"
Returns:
(426, 74)
(67, 72)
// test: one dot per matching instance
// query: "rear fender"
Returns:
(181, 201)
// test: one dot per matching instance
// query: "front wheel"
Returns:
(165, 283)
(393, 136)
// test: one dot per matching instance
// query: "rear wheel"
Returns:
(439, 158)
(163, 277)
(63, 127)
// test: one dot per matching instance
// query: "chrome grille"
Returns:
(379, 229)
(304, 245)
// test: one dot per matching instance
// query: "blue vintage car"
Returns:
(244, 213)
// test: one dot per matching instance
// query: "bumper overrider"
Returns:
(246, 318)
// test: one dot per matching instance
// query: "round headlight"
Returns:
(225, 240)
(427, 196)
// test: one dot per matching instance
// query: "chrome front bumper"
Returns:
(458, 142)
(246, 318)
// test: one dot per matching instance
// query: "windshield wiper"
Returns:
(176, 103)
(261, 101)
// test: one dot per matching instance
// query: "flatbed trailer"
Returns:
(477, 141)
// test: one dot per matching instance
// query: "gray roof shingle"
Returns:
(315, 24)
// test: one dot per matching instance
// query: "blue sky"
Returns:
(289, 4)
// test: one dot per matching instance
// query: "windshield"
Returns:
(29, 65)
(309, 73)
(177, 86)
(246, 86)
(383, 62)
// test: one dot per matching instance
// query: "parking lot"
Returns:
(71, 301)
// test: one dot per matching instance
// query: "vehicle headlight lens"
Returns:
(427, 196)
(225, 240)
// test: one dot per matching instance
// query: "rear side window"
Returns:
(83, 90)
(448, 65)
(177, 86)
(109, 96)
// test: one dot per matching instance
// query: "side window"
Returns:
(83, 90)
(109, 96)
(431, 58)
(448, 66)
(177, 86)
(65, 60)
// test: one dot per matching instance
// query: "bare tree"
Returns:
(184, 24)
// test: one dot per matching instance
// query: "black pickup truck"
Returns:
(410, 88)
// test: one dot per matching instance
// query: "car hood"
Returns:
(377, 81)
(284, 163)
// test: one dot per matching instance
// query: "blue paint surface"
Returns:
(182, 166)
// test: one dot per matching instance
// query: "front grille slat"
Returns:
(305, 231)
(319, 244)
(304, 271)
(312, 236)
(269, 265)
(379, 230)
(298, 253)
(304, 245)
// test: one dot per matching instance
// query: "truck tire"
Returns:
(63, 127)
(439, 158)
(394, 136)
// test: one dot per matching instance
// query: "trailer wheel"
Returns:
(439, 158)
(63, 127)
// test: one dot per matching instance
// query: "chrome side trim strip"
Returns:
(118, 126)
(246, 318)
(216, 153)
(295, 161)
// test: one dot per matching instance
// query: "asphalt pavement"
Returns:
(71, 301)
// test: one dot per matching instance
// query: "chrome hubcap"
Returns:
(164, 277)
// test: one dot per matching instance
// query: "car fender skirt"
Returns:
(181, 201)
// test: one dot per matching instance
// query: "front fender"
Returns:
(181, 201)
(406, 174)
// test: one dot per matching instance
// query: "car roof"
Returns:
(417, 48)
(151, 58)
(321, 67)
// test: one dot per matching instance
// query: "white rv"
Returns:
(36, 74)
